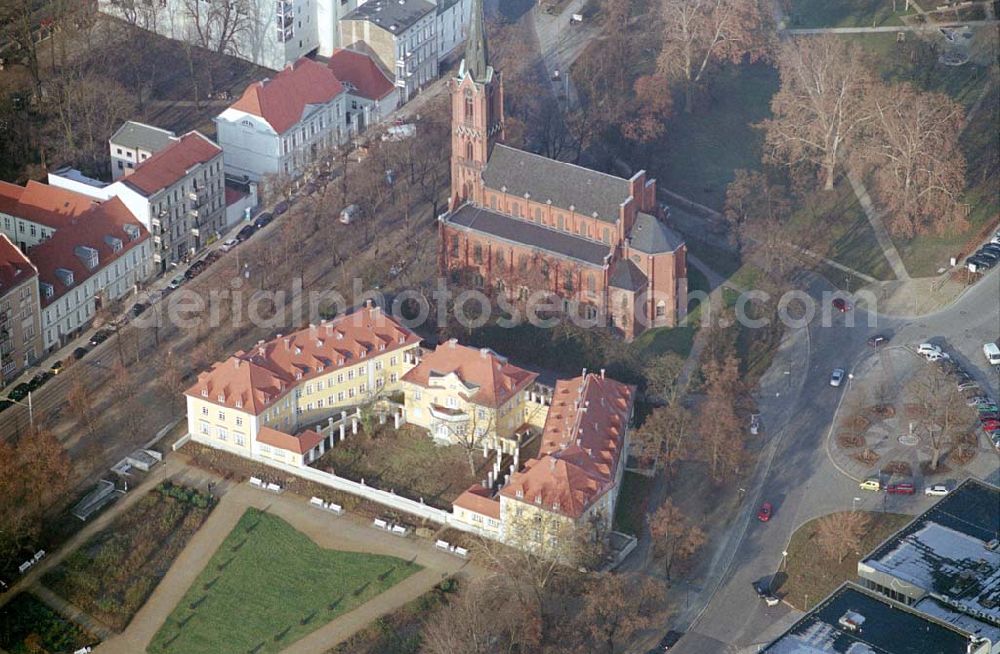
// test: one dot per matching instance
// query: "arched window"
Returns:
(477, 253)
(591, 283)
(454, 246)
(469, 108)
(468, 150)
(661, 309)
(501, 261)
(545, 269)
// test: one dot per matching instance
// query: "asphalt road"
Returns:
(795, 473)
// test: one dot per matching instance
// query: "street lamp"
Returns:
(854, 504)
(31, 411)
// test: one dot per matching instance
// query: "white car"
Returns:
(229, 245)
(175, 283)
(934, 357)
(928, 348)
(936, 490)
(836, 377)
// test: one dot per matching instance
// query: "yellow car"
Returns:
(871, 485)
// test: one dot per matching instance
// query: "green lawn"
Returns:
(701, 149)
(812, 577)
(269, 585)
(845, 13)
(630, 512)
(28, 626)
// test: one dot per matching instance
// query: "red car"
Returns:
(991, 425)
(902, 488)
(764, 514)
(841, 305)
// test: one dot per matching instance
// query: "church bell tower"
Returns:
(476, 114)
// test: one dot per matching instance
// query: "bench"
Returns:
(274, 487)
(39, 555)
(334, 508)
(315, 501)
(399, 530)
(380, 524)
(256, 482)
(443, 545)
(462, 552)
(25, 566)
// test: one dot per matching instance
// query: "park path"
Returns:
(932, 27)
(342, 533)
(878, 227)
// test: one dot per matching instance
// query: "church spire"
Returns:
(477, 60)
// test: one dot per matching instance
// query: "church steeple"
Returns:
(477, 60)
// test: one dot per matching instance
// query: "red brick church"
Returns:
(520, 223)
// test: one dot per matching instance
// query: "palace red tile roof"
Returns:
(105, 221)
(479, 500)
(254, 380)
(51, 206)
(492, 379)
(282, 100)
(171, 164)
(300, 444)
(15, 268)
(358, 70)
(581, 448)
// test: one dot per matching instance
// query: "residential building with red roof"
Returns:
(280, 125)
(297, 381)
(20, 319)
(371, 93)
(463, 394)
(177, 193)
(33, 212)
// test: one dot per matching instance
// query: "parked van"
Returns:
(992, 352)
(348, 214)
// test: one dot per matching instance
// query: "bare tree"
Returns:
(700, 33)
(912, 150)
(946, 416)
(675, 538)
(617, 607)
(18, 19)
(663, 437)
(821, 105)
(217, 25)
(662, 375)
(839, 534)
(485, 618)
(719, 427)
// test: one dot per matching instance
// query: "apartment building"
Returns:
(262, 402)
(133, 143)
(453, 18)
(100, 257)
(281, 125)
(371, 93)
(461, 394)
(20, 327)
(401, 35)
(269, 33)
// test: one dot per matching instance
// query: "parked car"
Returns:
(667, 642)
(229, 245)
(928, 348)
(79, 353)
(764, 512)
(20, 391)
(763, 591)
(992, 353)
(936, 490)
(348, 214)
(934, 357)
(57, 367)
(754, 424)
(138, 308)
(841, 305)
(900, 488)
(993, 249)
(964, 385)
(990, 425)
(877, 340)
(836, 377)
(100, 336)
(281, 208)
(996, 237)
(245, 233)
(871, 484)
(175, 283)
(263, 220)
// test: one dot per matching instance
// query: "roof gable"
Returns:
(282, 100)
(360, 74)
(652, 236)
(490, 379)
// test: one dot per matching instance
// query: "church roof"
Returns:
(628, 276)
(651, 236)
(566, 185)
(532, 235)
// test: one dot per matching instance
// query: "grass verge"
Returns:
(267, 586)
(812, 577)
(845, 13)
(630, 513)
(112, 575)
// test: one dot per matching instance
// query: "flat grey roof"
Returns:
(396, 16)
(883, 626)
(566, 185)
(945, 550)
(527, 234)
(139, 135)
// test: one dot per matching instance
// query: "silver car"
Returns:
(837, 377)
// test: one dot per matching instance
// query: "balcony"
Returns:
(195, 232)
(285, 34)
(155, 223)
(157, 240)
(194, 213)
(284, 7)
(157, 258)
(448, 415)
(198, 197)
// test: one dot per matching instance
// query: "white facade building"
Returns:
(453, 17)
(135, 142)
(280, 125)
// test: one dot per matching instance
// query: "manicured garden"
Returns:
(269, 585)
(812, 577)
(29, 626)
(111, 576)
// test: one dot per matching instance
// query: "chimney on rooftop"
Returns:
(452, 342)
(584, 372)
(602, 373)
